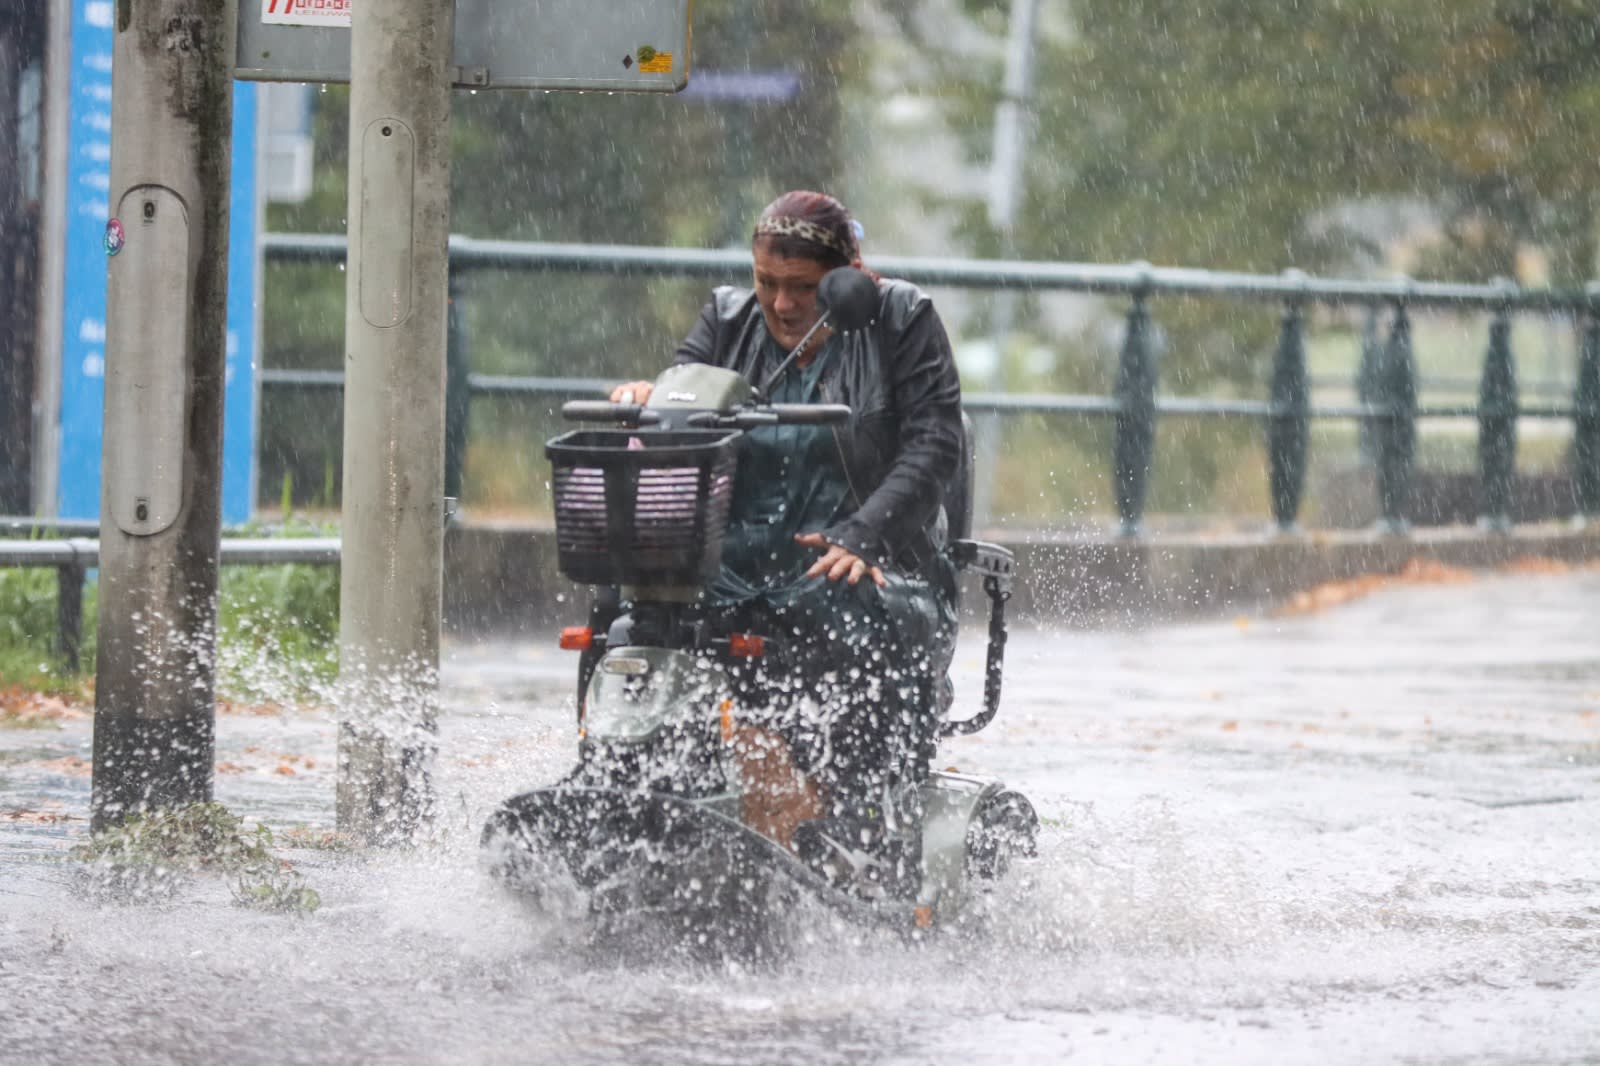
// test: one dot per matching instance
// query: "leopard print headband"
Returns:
(789, 226)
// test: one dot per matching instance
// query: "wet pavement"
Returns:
(1365, 833)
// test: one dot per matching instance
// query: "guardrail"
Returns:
(74, 557)
(1386, 383)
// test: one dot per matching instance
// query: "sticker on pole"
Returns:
(306, 12)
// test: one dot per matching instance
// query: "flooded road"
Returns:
(1365, 834)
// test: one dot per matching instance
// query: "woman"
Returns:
(859, 687)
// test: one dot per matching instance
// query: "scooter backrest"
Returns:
(958, 494)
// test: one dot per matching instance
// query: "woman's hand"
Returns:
(837, 562)
(633, 392)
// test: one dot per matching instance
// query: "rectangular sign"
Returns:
(304, 12)
(605, 45)
(83, 344)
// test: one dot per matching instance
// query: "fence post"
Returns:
(1367, 383)
(1135, 393)
(69, 615)
(1395, 430)
(457, 391)
(1586, 415)
(1287, 426)
(1497, 424)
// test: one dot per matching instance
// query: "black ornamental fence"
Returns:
(1386, 407)
(1386, 386)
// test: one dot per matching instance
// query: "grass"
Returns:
(277, 627)
(148, 855)
(28, 655)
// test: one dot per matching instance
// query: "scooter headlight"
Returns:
(626, 665)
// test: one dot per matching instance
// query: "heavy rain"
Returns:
(1146, 613)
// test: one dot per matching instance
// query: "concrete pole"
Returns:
(391, 575)
(166, 332)
(1005, 190)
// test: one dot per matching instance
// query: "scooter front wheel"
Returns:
(1004, 828)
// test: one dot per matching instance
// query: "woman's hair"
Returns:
(809, 225)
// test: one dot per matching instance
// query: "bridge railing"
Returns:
(1386, 383)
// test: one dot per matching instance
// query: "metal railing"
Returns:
(75, 556)
(1386, 383)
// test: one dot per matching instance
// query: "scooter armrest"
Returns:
(989, 560)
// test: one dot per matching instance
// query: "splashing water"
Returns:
(1363, 835)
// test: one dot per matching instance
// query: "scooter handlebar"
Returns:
(606, 411)
(633, 414)
(811, 414)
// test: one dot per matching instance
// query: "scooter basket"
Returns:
(641, 507)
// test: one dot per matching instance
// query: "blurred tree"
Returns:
(1215, 133)
(1507, 110)
(1229, 133)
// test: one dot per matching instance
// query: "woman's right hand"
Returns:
(633, 392)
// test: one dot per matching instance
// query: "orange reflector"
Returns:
(923, 917)
(577, 638)
(748, 645)
(727, 720)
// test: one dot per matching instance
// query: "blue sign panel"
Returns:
(239, 399)
(83, 362)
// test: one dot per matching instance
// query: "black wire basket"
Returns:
(641, 507)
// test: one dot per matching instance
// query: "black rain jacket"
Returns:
(902, 444)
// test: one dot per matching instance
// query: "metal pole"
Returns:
(1011, 118)
(166, 330)
(52, 257)
(457, 388)
(1287, 429)
(1395, 432)
(1586, 417)
(1367, 384)
(15, 386)
(1497, 428)
(69, 615)
(1005, 189)
(395, 322)
(1133, 445)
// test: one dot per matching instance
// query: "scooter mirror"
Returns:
(850, 297)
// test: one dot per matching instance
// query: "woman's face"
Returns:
(787, 291)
